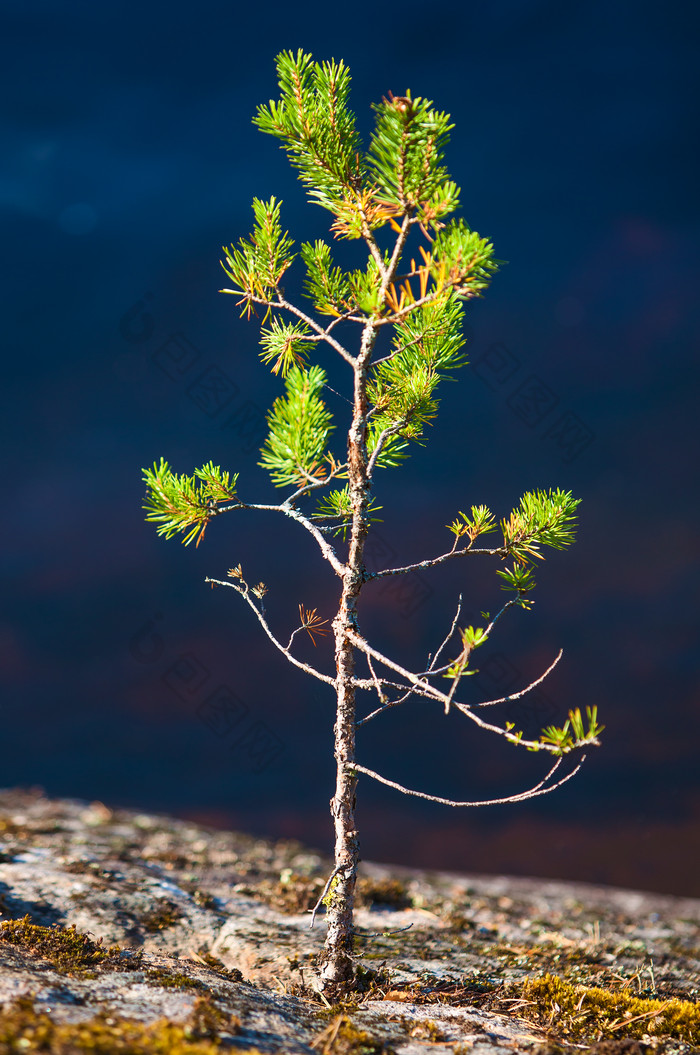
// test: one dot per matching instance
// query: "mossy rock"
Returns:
(341, 1037)
(24, 1030)
(67, 950)
(580, 1012)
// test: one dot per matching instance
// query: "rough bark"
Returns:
(337, 964)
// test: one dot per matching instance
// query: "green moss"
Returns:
(172, 979)
(579, 1012)
(67, 950)
(341, 1037)
(23, 1030)
(343, 1004)
(232, 973)
(293, 893)
(474, 992)
(209, 1020)
(163, 915)
(366, 979)
(205, 900)
(571, 1012)
(8, 827)
(391, 893)
(427, 1029)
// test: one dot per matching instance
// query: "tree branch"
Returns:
(281, 303)
(391, 320)
(290, 511)
(390, 273)
(426, 689)
(523, 692)
(435, 658)
(397, 351)
(368, 684)
(380, 694)
(538, 789)
(501, 551)
(464, 656)
(414, 689)
(388, 705)
(245, 594)
(384, 435)
(412, 679)
(372, 245)
(324, 334)
(314, 483)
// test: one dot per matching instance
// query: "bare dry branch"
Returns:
(384, 435)
(446, 699)
(432, 561)
(414, 690)
(448, 638)
(245, 594)
(289, 510)
(528, 688)
(538, 789)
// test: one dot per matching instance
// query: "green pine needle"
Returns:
(573, 734)
(316, 127)
(336, 506)
(462, 260)
(406, 156)
(328, 286)
(186, 503)
(543, 518)
(300, 424)
(285, 345)
(257, 264)
(481, 522)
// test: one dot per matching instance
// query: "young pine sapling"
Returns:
(406, 305)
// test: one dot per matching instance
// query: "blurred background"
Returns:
(129, 159)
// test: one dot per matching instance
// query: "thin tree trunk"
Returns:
(337, 963)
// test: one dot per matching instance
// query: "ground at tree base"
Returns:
(131, 933)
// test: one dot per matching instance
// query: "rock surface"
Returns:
(220, 921)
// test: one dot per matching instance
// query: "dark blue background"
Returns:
(130, 159)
